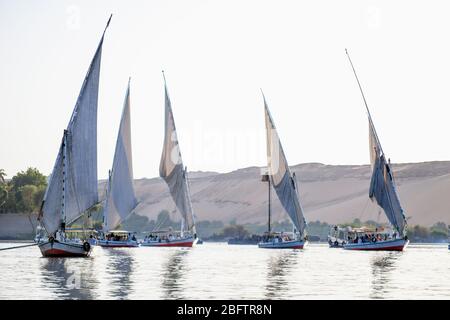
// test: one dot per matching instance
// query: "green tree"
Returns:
(3, 195)
(439, 227)
(163, 219)
(26, 198)
(3, 189)
(24, 192)
(418, 233)
(30, 177)
(2, 176)
(235, 230)
(438, 235)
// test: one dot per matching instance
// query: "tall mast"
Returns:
(64, 202)
(269, 227)
(365, 102)
(188, 195)
(373, 129)
(100, 44)
(265, 177)
(105, 208)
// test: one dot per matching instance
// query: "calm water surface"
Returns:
(220, 271)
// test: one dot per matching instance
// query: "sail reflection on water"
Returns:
(383, 265)
(278, 272)
(119, 270)
(173, 275)
(69, 278)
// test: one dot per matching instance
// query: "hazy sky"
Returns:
(216, 56)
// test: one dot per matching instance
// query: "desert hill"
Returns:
(330, 193)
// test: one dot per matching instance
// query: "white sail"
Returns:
(280, 175)
(172, 171)
(120, 197)
(382, 185)
(73, 186)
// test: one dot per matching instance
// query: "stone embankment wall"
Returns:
(16, 226)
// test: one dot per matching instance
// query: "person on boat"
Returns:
(133, 238)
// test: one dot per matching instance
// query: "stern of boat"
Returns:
(64, 249)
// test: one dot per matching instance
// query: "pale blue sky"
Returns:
(216, 55)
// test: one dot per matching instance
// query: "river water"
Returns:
(220, 271)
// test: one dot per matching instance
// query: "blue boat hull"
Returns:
(294, 244)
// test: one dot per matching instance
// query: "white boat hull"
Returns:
(117, 244)
(64, 249)
(389, 245)
(293, 244)
(184, 242)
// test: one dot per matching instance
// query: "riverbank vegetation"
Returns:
(317, 230)
(22, 193)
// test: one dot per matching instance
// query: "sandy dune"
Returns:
(329, 193)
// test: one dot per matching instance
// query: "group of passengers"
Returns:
(277, 238)
(159, 238)
(120, 237)
(370, 237)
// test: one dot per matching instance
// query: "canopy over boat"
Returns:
(382, 185)
(172, 171)
(73, 187)
(120, 195)
(120, 231)
(281, 178)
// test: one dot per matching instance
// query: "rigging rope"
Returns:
(365, 208)
(18, 247)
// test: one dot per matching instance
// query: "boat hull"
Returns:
(335, 244)
(63, 249)
(294, 244)
(390, 245)
(117, 244)
(186, 242)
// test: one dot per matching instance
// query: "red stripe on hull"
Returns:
(117, 246)
(179, 244)
(283, 247)
(396, 248)
(62, 253)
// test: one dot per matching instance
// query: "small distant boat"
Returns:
(285, 184)
(73, 187)
(336, 237)
(382, 190)
(168, 238)
(244, 241)
(175, 175)
(120, 196)
(118, 239)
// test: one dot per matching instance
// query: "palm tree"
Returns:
(2, 175)
(3, 188)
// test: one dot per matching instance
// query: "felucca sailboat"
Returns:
(383, 191)
(175, 175)
(120, 196)
(286, 187)
(73, 188)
